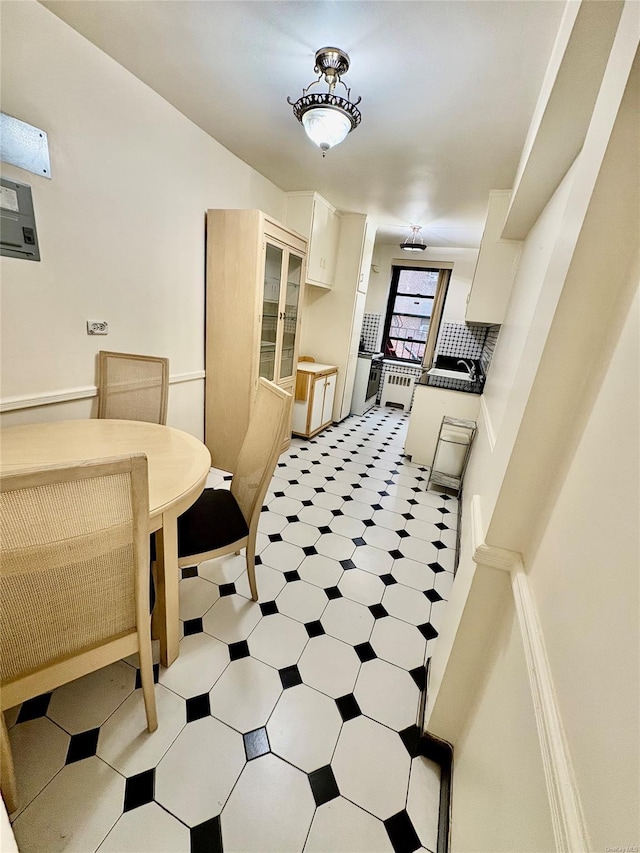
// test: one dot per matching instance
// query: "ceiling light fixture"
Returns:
(326, 117)
(414, 243)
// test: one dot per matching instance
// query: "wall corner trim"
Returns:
(488, 424)
(484, 554)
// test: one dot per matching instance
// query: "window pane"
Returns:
(406, 332)
(423, 282)
(407, 350)
(412, 305)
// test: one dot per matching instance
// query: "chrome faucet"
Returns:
(470, 367)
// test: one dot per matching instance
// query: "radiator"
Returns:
(397, 390)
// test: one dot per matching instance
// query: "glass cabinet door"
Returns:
(290, 316)
(270, 311)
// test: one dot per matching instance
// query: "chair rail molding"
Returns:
(66, 395)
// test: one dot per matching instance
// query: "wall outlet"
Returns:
(97, 327)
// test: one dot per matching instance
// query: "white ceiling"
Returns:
(448, 89)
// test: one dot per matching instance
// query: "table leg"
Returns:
(167, 614)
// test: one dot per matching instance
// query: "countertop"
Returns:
(314, 367)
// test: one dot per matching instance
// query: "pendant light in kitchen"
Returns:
(326, 117)
(414, 243)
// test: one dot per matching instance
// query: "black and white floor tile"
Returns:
(284, 725)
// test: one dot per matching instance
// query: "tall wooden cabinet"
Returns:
(332, 322)
(255, 277)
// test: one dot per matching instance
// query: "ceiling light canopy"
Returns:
(414, 243)
(326, 117)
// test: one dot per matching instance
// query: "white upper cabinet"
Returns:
(312, 216)
(496, 266)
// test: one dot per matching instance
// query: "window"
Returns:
(414, 309)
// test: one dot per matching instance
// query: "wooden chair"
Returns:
(133, 387)
(74, 585)
(225, 520)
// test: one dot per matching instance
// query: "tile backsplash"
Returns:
(465, 340)
(489, 347)
(461, 339)
(370, 330)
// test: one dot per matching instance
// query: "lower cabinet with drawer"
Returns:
(314, 394)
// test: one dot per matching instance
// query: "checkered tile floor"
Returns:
(284, 725)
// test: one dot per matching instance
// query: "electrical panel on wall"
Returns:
(18, 235)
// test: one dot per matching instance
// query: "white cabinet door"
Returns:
(367, 254)
(496, 267)
(316, 403)
(329, 395)
(323, 242)
(313, 216)
(349, 373)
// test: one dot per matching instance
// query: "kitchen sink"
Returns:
(449, 374)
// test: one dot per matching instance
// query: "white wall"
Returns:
(120, 225)
(517, 354)
(499, 798)
(587, 595)
(551, 506)
(463, 263)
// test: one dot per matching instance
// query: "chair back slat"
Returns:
(260, 448)
(133, 387)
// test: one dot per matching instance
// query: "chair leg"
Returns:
(7, 772)
(155, 631)
(250, 552)
(146, 677)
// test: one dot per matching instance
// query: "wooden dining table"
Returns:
(178, 466)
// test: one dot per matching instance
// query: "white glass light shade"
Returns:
(326, 126)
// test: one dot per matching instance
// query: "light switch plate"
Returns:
(97, 327)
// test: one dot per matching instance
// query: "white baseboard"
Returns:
(66, 395)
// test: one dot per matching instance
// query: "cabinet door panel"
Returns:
(270, 310)
(329, 395)
(317, 400)
(290, 310)
(318, 243)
